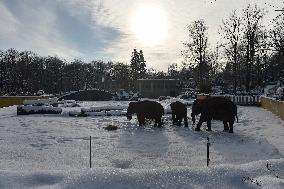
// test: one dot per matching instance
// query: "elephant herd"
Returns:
(216, 108)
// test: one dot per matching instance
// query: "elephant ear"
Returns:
(130, 107)
(133, 106)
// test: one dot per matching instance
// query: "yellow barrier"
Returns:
(275, 106)
(16, 100)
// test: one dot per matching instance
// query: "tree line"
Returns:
(25, 73)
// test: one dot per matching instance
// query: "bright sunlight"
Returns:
(149, 24)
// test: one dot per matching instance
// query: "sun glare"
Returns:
(149, 24)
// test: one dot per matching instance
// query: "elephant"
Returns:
(217, 108)
(179, 112)
(146, 110)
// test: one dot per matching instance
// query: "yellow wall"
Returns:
(277, 107)
(16, 100)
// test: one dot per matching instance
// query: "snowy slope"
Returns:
(52, 151)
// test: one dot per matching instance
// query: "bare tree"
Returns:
(252, 16)
(196, 52)
(277, 33)
(231, 32)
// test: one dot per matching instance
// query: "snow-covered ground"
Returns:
(52, 151)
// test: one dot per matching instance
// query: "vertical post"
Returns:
(208, 144)
(90, 152)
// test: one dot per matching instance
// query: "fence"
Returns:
(275, 106)
(239, 100)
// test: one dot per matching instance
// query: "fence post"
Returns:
(208, 144)
(90, 152)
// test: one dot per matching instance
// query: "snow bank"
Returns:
(74, 104)
(245, 176)
(28, 109)
(104, 108)
(68, 103)
(39, 102)
(223, 176)
(98, 113)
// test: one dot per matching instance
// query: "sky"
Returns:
(109, 30)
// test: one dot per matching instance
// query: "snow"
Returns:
(29, 109)
(99, 113)
(52, 151)
(102, 108)
(40, 101)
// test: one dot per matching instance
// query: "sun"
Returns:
(149, 24)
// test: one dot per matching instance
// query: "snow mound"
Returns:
(28, 109)
(97, 113)
(41, 101)
(103, 108)
(68, 103)
(221, 176)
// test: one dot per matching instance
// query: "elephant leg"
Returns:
(201, 120)
(231, 123)
(159, 121)
(155, 124)
(179, 121)
(185, 122)
(140, 123)
(174, 118)
(226, 127)
(208, 125)
(141, 120)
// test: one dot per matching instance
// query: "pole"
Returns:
(90, 152)
(208, 144)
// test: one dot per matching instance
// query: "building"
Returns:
(153, 88)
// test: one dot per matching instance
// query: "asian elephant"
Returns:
(179, 112)
(146, 110)
(217, 108)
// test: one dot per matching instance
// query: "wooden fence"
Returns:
(239, 100)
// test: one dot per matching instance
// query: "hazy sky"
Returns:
(110, 29)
